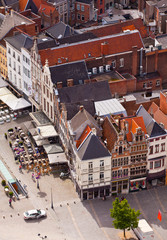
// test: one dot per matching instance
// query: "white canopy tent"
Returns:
(47, 131)
(53, 148)
(57, 158)
(12, 101)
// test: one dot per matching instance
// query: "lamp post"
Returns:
(52, 200)
(39, 235)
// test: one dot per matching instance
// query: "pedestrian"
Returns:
(10, 202)
(20, 168)
(32, 176)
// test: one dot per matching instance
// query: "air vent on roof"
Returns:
(94, 70)
(101, 69)
(60, 36)
(44, 39)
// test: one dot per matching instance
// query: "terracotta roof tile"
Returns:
(158, 115)
(83, 136)
(82, 50)
(22, 4)
(120, 27)
(45, 8)
(133, 124)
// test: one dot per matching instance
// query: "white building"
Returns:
(18, 62)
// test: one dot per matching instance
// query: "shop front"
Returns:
(97, 192)
(121, 186)
(136, 184)
(156, 178)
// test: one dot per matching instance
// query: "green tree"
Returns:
(124, 216)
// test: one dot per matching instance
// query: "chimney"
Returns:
(104, 48)
(59, 84)
(81, 108)
(70, 82)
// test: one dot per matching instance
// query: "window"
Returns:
(101, 2)
(19, 71)
(50, 97)
(82, 17)
(101, 11)
(82, 8)
(14, 66)
(78, 16)
(101, 175)
(151, 165)
(18, 58)
(157, 164)
(90, 165)
(157, 148)
(90, 177)
(101, 163)
(151, 149)
(114, 64)
(14, 54)
(125, 172)
(44, 104)
(44, 89)
(78, 6)
(73, 16)
(158, 83)
(10, 62)
(162, 147)
(9, 50)
(59, 60)
(122, 62)
(47, 93)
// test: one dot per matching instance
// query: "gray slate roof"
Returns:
(20, 40)
(73, 108)
(60, 30)
(96, 91)
(92, 148)
(1, 18)
(152, 127)
(76, 71)
(81, 120)
(77, 38)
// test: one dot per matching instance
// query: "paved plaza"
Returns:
(70, 219)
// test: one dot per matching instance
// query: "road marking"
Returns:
(141, 210)
(98, 221)
(75, 224)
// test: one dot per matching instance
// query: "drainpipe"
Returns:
(141, 62)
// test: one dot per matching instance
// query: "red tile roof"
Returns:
(83, 136)
(158, 115)
(46, 9)
(120, 27)
(22, 4)
(133, 124)
(82, 50)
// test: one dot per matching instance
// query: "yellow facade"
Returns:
(3, 62)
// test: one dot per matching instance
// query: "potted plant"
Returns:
(3, 183)
(10, 194)
(10, 130)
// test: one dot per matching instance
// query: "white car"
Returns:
(34, 214)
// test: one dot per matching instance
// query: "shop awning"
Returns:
(57, 158)
(47, 131)
(156, 175)
(138, 179)
(12, 101)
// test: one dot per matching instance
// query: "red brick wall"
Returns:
(139, 85)
(119, 87)
(100, 6)
(85, 13)
(131, 85)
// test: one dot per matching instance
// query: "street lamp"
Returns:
(52, 200)
(39, 235)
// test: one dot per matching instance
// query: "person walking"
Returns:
(10, 202)
(20, 168)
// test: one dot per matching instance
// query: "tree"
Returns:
(125, 217)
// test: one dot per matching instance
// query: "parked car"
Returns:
(34, 214)
(144, 231)
(1, 121)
